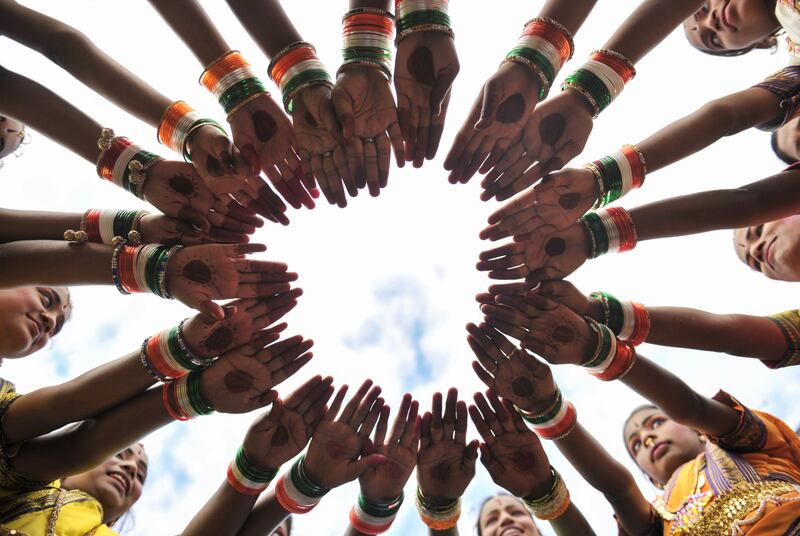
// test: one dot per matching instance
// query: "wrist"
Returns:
(438, 516)
(247, 477)
(375, 517)
(296, 491)
(595, 309)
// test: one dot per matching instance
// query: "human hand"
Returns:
(559, 200)
(281, 434)
(511, 453)
(340, 450)
(446, 463)
(241, 380)
(495, 121)
(567, 294)
(425, 68)
(385, 482)
(366, 110)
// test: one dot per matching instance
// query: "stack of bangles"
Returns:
(438, 517)
(789, 324)
(422, 16)
(141, 268)
(295, 68)
(232, 81)
(367, 39)
(612, 358)
(628, 320)
(104, 226)
(618, 174)
(183, 398)
(297, 493)
(166, 356)
(554, 503)
(247, 478)
(123, 163)
(545, 46)
(178, 124)
(601, 79)
(556, 422)
(374, 517)
(610, 229)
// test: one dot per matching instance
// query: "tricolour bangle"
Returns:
(555, 422)
(297, 493)
(422, 16)
(602, 78)
(246, 477)
(438, 517)
(183, 398)
(374, 517)
(295, 68)
(367, 39)
(231, 79)
(789, 324)
(141, 268)
(177, 125)
(612, 358)
(630, 321)
(123, 163)
(103, 226)
(166, 356)
(544, 46)
(552, 504)
(610, 229)
(618, 173)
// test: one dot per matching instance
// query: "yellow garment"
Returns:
(788, 14)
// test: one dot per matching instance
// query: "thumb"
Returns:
(491, 99)
(440, 90)
(471, 452)
(211, 311)
(344, 111)
(195, 218)
(366, 463)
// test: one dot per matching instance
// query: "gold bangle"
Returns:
(106, 139)
(439, 28)
(244, 103)
(134, 235)
(536, 69)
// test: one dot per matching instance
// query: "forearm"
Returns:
(190, 22)
(27, 263)
(740, 335)
(572, 523)
(223, 515)
(770, 199)
(272, 37)
(571, 14)
(41, 109)
(266, 516)
(44, 410)
(382, 4)
(449, 532)
(36, 225)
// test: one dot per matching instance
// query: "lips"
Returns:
(659, 450)
(121, 482)
(510, 531)
(725, 15)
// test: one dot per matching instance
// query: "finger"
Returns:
(490, 102)
(355, 161)
(502, 263)
(276, 358)
(449, 417)
(352, 405)
(322, 178)
(340, 161)
(411, 136)
(516, 418)
(400, 421)
(509, 289)
(503, 417)
(211, 310)
(461, 423)
(513, 248)
(520, 204)
(334, 182)
(484, 376)
(371, 419)
(437, 127)
(481, 425)
(363, 410)
(396, 139)
(343, 106)
(509, 157)
(410, 436)
(515, 273)
(313, 416)
(356, 469)
(505, 314)
(466, 157)
(499, 327)
(330, 415)
(488, 415)
(436, 418)
(478, 158)
(384, 159)
(382, 426)
(441, 90)
(300, 397)
(403, 115)
(371, 168)
(459, 144)
(280, 375)
(422, 137)
(425, 431)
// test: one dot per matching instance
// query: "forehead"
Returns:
(692, 31)
(636, 420)
(500, 502)
(740, 243)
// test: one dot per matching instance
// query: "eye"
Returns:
(141, 477)
(518, 513)
(491, 521)
(758, 230)
(635, 446)
(656, 423)
(714, 40)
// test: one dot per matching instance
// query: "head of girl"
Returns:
(12, 135)
(506, 515)
(785, 142)
(116, 483)
(284, 529)
(658, 444)
(30, 317)
(733, 27)
(771, 248)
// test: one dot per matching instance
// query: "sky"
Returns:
(390, 281)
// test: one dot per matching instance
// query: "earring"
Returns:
(703, 439)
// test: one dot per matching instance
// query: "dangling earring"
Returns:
(653, 482)
(703, 439)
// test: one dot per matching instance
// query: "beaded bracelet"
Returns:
(141, 268)
(103, 226)
(166, 356)
(297, 493)
(552, 504)
(177, 125)
(183, 398)
(628, 320)
(295, 68)
(556, 422)
(609, 229)
(601, 79)
(232, 80)
(374, 517)
(246, 477)
(618, 174)
(442, 517)
(789, 323)
(367, 39)
(612, 358)
(544, 46)
(422, 16)
(123, 163)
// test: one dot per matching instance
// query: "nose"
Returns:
(757, 245)
(708, 16)
(48, 320)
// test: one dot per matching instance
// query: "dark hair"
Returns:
(773, 141)
(489, 498)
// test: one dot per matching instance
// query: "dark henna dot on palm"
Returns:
(334, 449)
(214, 167)
(523, 460)
(552, 128)
(441, 472)
(555, 246)
(569, 201)
(310, 119)
(522, 387)
(280, 437)
(563, 334)
(181, 184)
(265, 126)
(238, 381)
(420, 65)
(220, 339)
(198, 271)
(511, 109)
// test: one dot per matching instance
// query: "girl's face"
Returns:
(30, 317)
(788, 139)
(11, 134)
(504, 515)
(116, 484)
(771, 248)
(658, 444)
(722, 25)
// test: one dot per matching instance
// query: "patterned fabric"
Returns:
(788, 14)
(751, 432)
(789, 322)
(785, 84)
(10, 479)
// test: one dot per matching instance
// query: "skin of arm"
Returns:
(30, 262)
(266, 513)
(570, 14)
(190, 21)
(36, 225)
(271, 39)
